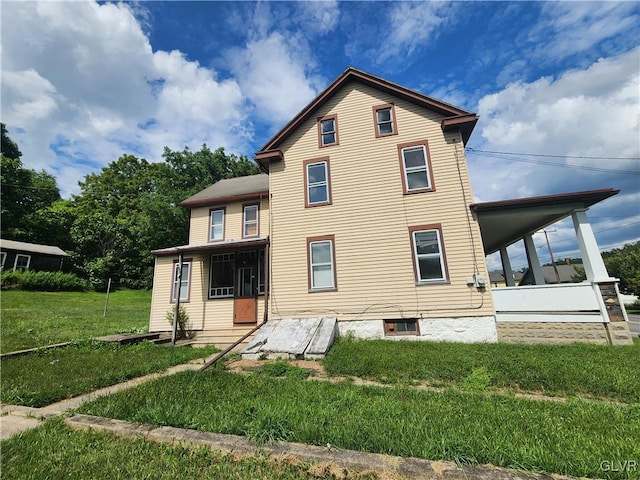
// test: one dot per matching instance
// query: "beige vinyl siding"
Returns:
(370, 218)
(204, 313)
(199, 227)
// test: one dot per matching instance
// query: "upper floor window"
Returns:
(416, 168)
(384, 117)
(328, 130)
(321, 262)
(216, 231)
(316, 179)
(250, 221)
(181, 280)
(428, 254)
(22, 262)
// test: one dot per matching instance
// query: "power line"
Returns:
(474, 150)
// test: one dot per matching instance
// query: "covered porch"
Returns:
(590, 311)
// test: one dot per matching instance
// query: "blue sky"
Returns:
(92, 81)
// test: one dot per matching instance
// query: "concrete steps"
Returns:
(223, 338)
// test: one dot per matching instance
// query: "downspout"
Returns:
(177, 292)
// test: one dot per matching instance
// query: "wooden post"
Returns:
(178, 287)
(106, 301)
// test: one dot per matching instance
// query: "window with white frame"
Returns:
(181, 281)
(216, 231)
(415, 168)
(428, 254)
(321, 263)
(22, 262)
(250, 221)
(328, 130)
(221, 275)
(385, 120)
(317, 180)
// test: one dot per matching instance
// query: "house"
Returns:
(18, 256)
(363, 214)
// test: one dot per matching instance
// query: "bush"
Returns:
(183, 330)
(43, 281)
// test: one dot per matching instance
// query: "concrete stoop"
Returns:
(327, 457)
(299, 338)
(619, 333)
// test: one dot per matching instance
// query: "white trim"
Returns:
(384, 122)
(546, 317)
(219, 224)
(324, 184)
(417, 256)
(408, 170)
(323, 133)
(4, 258)
(15, 262)
(323, 264)
(246, 223)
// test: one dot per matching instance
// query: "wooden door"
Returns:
(245, 304)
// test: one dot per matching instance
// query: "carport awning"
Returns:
(229, 244)
(507, 221)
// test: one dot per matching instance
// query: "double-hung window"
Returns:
(428, 254)
(216, 231)
(317, 188)
(21, 263)
(250, 221)
(328, 131)
(321, 260)
(384, 118)
(415, 166)
(181, 280)
(221, 275)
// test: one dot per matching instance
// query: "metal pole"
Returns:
(106, 301)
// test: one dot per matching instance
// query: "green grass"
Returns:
(577, 369)
(55, 451)
(42, 378)
(571, 438)
(35, 319)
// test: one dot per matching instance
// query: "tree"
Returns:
(624, 263)
(23, 192)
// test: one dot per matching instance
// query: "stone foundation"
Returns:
(552, 332)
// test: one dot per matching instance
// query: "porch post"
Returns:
(592, 260)
(534, 263)
(506, 268)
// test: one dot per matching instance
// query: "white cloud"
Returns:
(84, 87)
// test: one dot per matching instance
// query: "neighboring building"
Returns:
(18, 256)
(363, 213)
(564, 273)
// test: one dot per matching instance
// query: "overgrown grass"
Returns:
(42, 378)
(55, 451)
(572, 438)
(283, 369)
(35, 319)
(577, 369)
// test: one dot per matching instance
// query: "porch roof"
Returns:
(203, 247)
(506, 221)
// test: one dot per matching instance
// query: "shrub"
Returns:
(43, 281)
(183, 322)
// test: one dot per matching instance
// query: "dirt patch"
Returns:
(316, 369)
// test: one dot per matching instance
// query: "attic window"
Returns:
(384, 117)
(328, 131)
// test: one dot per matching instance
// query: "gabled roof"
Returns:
(32, 247)
(230, 190)
(456, 118)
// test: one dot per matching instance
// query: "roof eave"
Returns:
(228, 199)
(464, 123)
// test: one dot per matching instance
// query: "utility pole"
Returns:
(553, 262)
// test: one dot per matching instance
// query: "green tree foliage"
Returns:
(624, 263)
(23, 192)
(132, 207)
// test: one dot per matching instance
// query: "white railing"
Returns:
(573, 302)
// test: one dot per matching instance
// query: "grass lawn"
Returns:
(42, 378)
(579, 369)
(572, 438)
(55, 451)
(35, 319)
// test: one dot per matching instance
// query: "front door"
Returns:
(245, 302)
